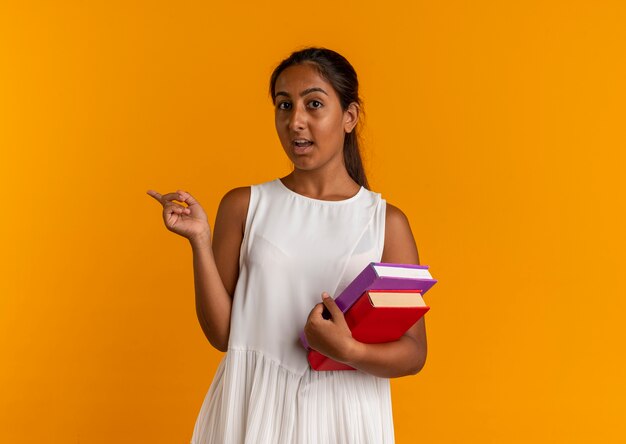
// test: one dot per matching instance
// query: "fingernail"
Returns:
(325, 295)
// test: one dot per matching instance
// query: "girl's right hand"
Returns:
(190, 222)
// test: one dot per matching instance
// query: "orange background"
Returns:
(497, 127)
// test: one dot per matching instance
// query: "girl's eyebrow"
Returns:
(302, 94)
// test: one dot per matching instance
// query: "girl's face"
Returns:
(307, 110)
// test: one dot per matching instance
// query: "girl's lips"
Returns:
(302, 149)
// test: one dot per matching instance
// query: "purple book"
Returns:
(382, 276)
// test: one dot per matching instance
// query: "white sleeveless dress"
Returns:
(294, 248)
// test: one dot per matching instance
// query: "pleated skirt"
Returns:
(253, 400)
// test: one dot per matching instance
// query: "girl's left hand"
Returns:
(331, 337)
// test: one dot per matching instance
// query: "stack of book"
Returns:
(379, 305)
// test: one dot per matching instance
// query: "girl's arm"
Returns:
(216, 267)
(407, 355)
(333, 338)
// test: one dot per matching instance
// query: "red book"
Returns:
(377, 316)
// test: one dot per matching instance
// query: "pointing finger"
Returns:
(154, 194)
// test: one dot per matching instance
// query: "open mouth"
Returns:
(302, 143)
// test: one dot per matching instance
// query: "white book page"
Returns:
(401, 272)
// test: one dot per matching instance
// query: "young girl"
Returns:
(277, 247)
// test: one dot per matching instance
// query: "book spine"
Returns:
(303, 340)
(398, 283)
(356, 288)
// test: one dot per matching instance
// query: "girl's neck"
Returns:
(321, 186)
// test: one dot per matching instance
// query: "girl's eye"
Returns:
(315, 104)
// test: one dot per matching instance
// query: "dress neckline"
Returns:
(322, 201)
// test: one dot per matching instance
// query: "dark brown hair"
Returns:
(337, 71)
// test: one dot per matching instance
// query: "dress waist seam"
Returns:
(266, 357)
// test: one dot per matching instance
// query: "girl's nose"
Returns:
(297, 119)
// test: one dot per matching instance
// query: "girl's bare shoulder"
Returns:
(233, 207)
(400, 244)
(237, 197)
